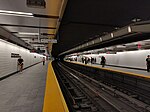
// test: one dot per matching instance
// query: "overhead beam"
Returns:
(90, 23)
(45, 16)
(119, 34)
(46, 34)
(27, 26)
(6, 35)
(62, 10)
(33, 38)
(37, 43)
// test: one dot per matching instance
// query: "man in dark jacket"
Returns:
(148, 63)
(103, 61)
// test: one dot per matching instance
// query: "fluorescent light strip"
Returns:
(26, 33)
(15, 13)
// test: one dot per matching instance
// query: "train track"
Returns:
(96, 97)
(136, 87)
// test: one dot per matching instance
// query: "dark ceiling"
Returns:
(86, 19)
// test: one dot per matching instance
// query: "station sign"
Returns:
(14, 55)
(48, 41)
(36, 3)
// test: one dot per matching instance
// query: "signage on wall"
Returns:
(14, 55)
(36, 3)
(48, 41)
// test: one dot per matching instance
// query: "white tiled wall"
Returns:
(135, 59)
(9, 65)
(130, 59)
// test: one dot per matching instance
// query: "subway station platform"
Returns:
(135, 72)
(33, 90)
(128, 70)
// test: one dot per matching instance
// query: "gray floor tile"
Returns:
(24, 92)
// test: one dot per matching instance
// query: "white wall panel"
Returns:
(128, 59)
(135, 59)
(9, 65)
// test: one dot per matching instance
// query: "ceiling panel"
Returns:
(85, 19)
(53, 8)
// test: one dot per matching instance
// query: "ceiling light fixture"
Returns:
(136, 20)
(26, 33)
(129, 29)
(112, 35)
(15, 13)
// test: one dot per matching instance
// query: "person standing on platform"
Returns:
(103, 61)
(43, 61)
(94, 60)
(148, 63)
(20, 64)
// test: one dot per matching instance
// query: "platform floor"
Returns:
(142, 73)
(54, 100)
(24, 92)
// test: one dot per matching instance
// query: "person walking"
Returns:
(148, 63)
(103, 61)
(20, 64)
(43, 61)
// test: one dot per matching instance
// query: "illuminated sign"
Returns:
(48, 41)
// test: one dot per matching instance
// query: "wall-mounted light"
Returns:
(15, 13)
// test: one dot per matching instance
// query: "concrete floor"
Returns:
(24, 92)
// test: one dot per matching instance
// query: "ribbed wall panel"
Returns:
(9, 65)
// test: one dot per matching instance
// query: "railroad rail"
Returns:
(88, 95)
(137, 87)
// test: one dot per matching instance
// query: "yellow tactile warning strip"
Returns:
(54, 100)
(119, 71)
